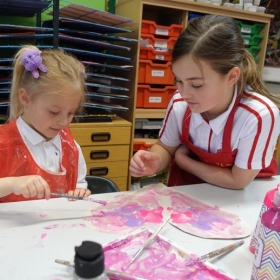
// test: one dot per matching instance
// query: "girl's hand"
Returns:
(79, 192)
(144, 163)
(31, 186)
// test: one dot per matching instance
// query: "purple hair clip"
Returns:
(32, 61)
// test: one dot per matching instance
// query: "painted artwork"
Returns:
(162, 259)
(208, 221)
(125, 213)
(150, 206)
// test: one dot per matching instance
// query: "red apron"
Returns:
(223, 158)
(16, 160)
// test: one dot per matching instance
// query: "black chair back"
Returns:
(98, 184)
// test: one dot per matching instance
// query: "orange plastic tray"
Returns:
(150, 53)
(141, 145)
(159, 43)
(155, 73)
(150, 27)
(150, 97)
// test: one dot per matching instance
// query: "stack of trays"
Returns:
(155, 78)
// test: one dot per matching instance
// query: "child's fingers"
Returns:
(71, 193)
(135, 168)
(33, 187)
(137, 159)
(80, 192)
(87, 193)
(29, 191)
(137, 172)
(136, 165)
(43, 189)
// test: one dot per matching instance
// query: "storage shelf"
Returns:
(271, 74)
(149, 113)
(143, 144)
(208, 9)
(146, 140)
(26, 8)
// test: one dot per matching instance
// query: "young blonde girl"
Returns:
(38, 152)
(222, 124)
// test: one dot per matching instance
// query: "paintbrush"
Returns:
(103, 202)
(107, 271)
(147, 242)
(215, 253)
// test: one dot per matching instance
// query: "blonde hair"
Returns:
(63, 70)
(217, 40)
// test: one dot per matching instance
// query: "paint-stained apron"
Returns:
(225, 157)
(16, 160)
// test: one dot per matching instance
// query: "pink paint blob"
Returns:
(43, 235)
(160, 260)
(152, 216)
(43, 215)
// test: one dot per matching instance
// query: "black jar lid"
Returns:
(89, 260)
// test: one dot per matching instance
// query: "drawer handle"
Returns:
(99, 171)
(100, 136)
(99, 154)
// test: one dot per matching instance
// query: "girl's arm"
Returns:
(6, 186)
(166, 154)
(230, 178)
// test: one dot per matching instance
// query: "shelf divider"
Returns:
(149, 113)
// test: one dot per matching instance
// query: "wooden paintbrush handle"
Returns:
(225, 249)
(147, 242)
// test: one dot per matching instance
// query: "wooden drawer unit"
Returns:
(121, 182)
(101, 135)
(108, 153)
(106, 148)
(110, 169)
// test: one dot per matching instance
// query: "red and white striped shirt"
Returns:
(255, 129)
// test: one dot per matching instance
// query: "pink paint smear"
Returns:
(55, 226)
(43, 235)
(126, 213)
(103, 202)
(160, 260)
(43, 215)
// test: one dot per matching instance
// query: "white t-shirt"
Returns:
(48, 154)
(251, 130)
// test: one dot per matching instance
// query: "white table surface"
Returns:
(35, 233)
